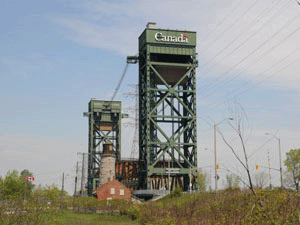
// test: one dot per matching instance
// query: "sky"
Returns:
(57, 55)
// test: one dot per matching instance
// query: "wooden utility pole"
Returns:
(215, 152)
(270, 178)
(82, 175)
(75, 189)
(215, 156)
(62, 186)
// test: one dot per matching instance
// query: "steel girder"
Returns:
(100, 134)
(167, 119)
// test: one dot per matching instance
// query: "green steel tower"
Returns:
(167, 107)
(104, 127)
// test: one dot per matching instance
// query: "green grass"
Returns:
(66, 217)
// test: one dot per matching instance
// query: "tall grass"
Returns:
(41, 211)
(19, 211)
(225, 207)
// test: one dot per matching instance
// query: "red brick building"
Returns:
(113, 190)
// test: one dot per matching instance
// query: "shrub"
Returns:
(176, 192)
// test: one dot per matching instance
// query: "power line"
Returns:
(226, 16)
(259, 47)
(258, 82)
(261, 81)
(228, 28)
(236, 48)
(255, 84)
(264, 43)
(241, 34)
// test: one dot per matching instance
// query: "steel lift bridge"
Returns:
(104, 127)
(167, 109)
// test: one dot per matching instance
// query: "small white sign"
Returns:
(173, 170)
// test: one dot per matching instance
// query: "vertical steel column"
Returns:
(167, 106)
(104, 127)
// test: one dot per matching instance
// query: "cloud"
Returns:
(252, 43)
(98, 36)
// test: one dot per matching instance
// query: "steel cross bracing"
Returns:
(104, 127)
(167, 118)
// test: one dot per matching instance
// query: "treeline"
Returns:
(23, 203)
(15, 186)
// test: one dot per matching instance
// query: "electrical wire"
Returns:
(228, 28)
(255, 84)
(226, 16)
(120, 82)
(236, 48)
(255, 50)
(240, 35)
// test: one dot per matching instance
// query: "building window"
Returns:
(121, 191)
(112, 191)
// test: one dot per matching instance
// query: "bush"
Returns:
(176, 192)
(227, 207)
(26, 212)
(92, 205)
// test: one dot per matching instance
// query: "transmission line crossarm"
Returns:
(75, 189)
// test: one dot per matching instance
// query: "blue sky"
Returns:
(56, 55)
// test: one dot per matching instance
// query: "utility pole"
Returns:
(82, 175)
(62, 186)
(280, 166)
(215, 152)
(270, 178)
(215, 156)
(210, 180)
(75, 189)
(279, 147)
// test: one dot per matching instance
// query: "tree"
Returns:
(38, 194)
(260, 179)
(52, 192)
(12, 185)
(28, 185)
(48, 193)
(15, 185)
(292, 163)
(240, 127)
(1, 188)
(232, 181)
(201, 180)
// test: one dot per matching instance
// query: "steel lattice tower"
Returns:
(167, 107)
(104, 127)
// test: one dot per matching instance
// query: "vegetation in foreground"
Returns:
(225, 207)
(21, 203)
(67, 217)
